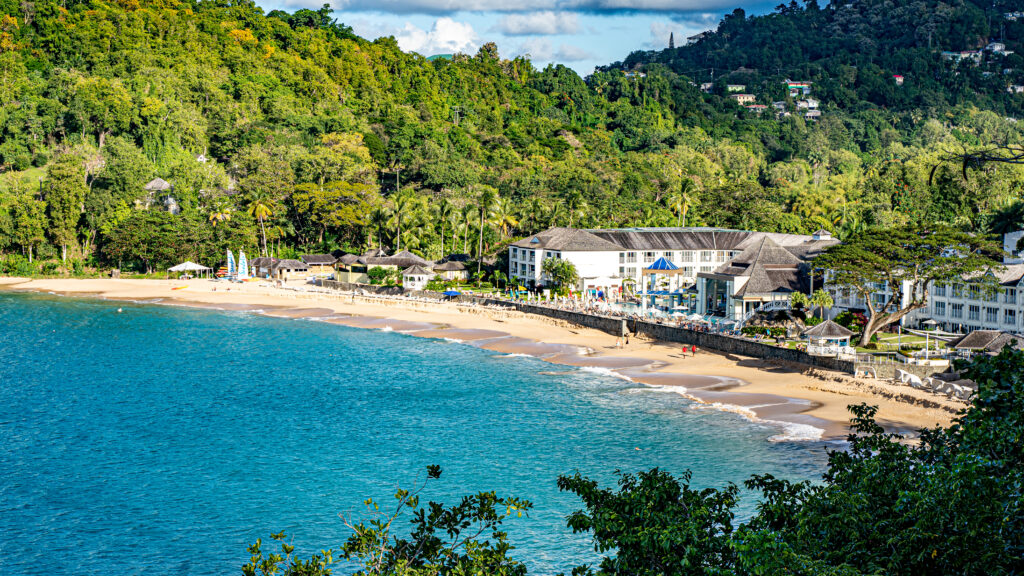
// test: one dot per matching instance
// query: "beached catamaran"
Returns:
(243, 267)
(231, 265)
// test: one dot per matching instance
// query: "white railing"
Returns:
(832, 350)
(773, 306)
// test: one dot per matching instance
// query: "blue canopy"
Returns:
(662, 264)
(451, 293)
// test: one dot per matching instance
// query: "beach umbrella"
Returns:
(451, 293)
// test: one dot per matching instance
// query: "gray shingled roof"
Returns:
(450, 267)
(289, 264)
(349, 259)
(568, 239)
(828, 329)
(1010, 275)
(769, 267)
(319, 259)
(416, 271)
(262, 261)
(157, 185)
(987, 341)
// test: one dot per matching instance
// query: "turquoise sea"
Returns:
(163, 440)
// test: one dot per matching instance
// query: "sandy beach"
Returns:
(803, 403)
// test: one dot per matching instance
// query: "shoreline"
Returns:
(805, 403)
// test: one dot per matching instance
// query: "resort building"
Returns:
(744, 98)
(280, 269)
(452, 270)
(608, 259)
(320, 264)
(962, 306)
(764, 272)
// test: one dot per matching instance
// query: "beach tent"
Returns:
(190, 266)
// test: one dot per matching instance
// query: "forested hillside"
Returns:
(287, 130)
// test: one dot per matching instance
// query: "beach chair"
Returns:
(914, 381)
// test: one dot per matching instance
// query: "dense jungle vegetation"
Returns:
(286, 133)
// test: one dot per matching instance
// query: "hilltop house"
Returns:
(898, 79)
(158, 191)
(743, 98)
(973, 56)
(798, 88)
(735, 87)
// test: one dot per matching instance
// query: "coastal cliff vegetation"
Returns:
(948, 504)
(287, 133)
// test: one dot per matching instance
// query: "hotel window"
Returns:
(974, 312)
(720, 256)
(940, 290)
(631, 272)
(622, 271)
(706, 255)
(686, 256)
(1010, 296)
(974, 293)
(648, 257)
(515, 267)
(1010, 317)
(515, 253)
(991, 296)
(958, 290)
(532, 253)
(630, 257)
(533, 269)
(688, 271)
(669, 256)
(940, 308)
(706, 268)
(991, 315)
(957, 310)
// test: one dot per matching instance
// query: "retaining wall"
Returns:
(720, 342)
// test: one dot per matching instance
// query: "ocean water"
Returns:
(163, 440)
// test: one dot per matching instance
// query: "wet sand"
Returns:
(805, 403)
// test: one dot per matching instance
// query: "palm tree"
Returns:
(500, 278)
(575, 203)
(445, 210)
(379, 220)
(467, 212)
(401, 205)
(485, 201)
(532, 212)
(261, 206)
(680, 202)
(504, 216)
(220, 211)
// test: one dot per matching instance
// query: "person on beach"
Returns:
(693, 350)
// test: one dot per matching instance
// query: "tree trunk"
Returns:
(263, 233)
(63, 252)
(29, 253)
(480, 248)
(442, 241)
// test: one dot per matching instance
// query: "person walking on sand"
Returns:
(693, 350)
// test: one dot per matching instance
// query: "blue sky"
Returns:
(579, 33)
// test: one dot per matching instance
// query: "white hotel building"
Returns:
(606, 258)
(963, 307)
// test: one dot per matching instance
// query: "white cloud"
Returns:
(446, 36)
(545, 23)
(569, 53)
(541, 50)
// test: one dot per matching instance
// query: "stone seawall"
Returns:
(720, 342)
